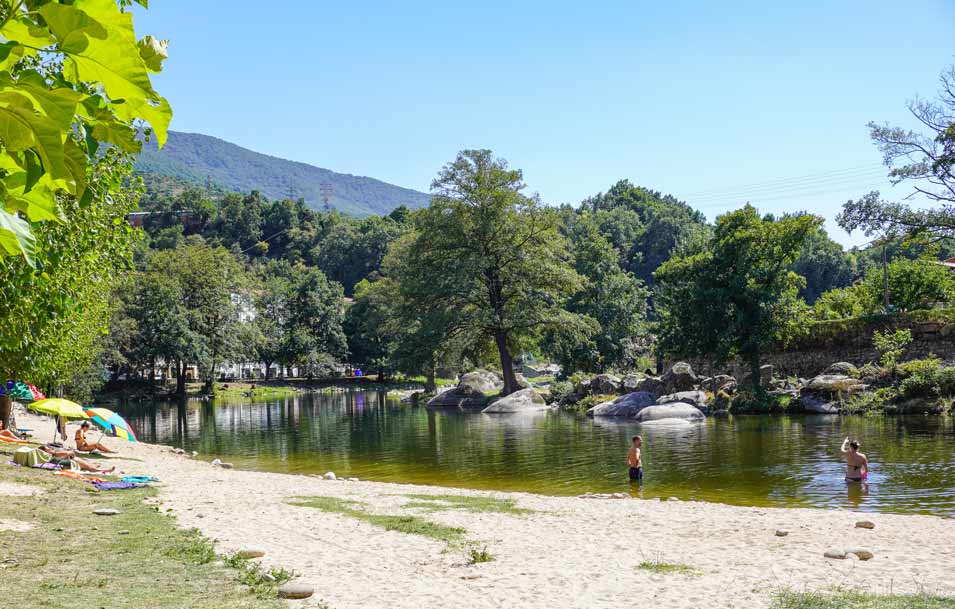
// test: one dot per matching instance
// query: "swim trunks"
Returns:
(636, 473)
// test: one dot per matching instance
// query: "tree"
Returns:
(72, 77)
(54, 310)
(823, 264)
(315, 315)
(738, 297)
(613, 298)
(271, 317)
(492, 257)
(912, 284)
(927, 160)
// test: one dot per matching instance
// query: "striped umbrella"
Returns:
(113, 424)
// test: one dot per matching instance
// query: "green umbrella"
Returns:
(58, 407)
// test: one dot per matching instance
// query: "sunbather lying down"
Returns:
(65, 456)
(8, 436)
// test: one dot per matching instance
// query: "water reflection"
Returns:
(741, 460)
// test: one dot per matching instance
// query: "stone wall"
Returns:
(849, 342)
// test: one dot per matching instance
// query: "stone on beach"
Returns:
(861, 553)
(330, 476)
(781, 532)
(837, 553)
(105, 512)
(865, 524)
(294, 591)
(250, 553)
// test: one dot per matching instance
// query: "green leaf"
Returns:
(72, 27)
(34, 169)
(154, 52)
(16, 237)
(25, 32)
(21, 128)
(58, 103)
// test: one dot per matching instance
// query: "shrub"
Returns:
(880, 400)
(929, 383)
(919, 366)
(891, 345)
(560, 390)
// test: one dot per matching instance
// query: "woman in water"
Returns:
(857, 466)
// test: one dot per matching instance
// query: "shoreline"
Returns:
(568, 552)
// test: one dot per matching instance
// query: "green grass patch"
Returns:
(477, 555)
(412, 525)
(465, 502)
(662, 567)
(842, 599)
(263, 583)
(138, 559)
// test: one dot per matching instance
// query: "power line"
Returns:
(812, 177)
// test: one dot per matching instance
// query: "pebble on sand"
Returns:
(226, 466)
(295, 591)
(251, 553)
(105, 512)
(781, 532)
(865, 524)
(330, 476)
(861, 553)
(836, 553)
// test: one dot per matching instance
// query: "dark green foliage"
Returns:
(738, 297)
(201, 159)
(823, 264)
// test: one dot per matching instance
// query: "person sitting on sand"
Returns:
(8, 436)
(63, 457)
(84, 445)
(857, 466)
(634, 460)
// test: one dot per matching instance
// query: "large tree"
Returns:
(493, 256)
(738, 296)
(926, 160)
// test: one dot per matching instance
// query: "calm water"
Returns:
(755, 460)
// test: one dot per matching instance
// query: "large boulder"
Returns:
(459, 397)
(481, 380)
(842, 368)
(651, 384)
(679, 377)
(676, 410)
(625, 406)
(522, 383)
(696, 398)
(715, 383)
(833, 385)
(525, 400)
(604, 384)
(630, 383)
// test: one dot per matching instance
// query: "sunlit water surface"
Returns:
(744, 460)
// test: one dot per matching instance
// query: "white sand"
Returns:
(572, 553)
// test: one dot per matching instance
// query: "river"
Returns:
(743, 460)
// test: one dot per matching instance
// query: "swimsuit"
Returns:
(636, 473)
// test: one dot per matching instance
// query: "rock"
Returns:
(651, 384)
(765, 376)
(330, 476)
(216, 462)
(268, 577)
(481, 380)
(861, 553)
(226, 466)
(714, 383)
(122, 532)
(842, 369)
(729, 387)
(837, 553)
(630, 383)
(353, 480)
(525, 400)
(625, 406)
(179, 451)
(675, 410)
(604, 384)
(696, 397)
(195, 454)
(250, 553)
(833, 385)
(817, 404)
(522, 383)
(458, 397)
(679, 377)
(922, 406)
(781, 532)
(295, 591)
(865, 524)
(105, 512)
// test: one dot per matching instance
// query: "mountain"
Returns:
(202, 159)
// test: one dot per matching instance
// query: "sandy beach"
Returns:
(569, 552)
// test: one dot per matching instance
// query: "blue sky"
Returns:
(716, 103)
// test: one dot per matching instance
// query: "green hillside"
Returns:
(202, 159)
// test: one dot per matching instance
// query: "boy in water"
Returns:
(857, 465)
(634, 461)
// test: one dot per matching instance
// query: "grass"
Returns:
(262, 583)
(476, 555)
(842, 599)
(468, 503)
(138, 559)
(662, 567)
(411, 525)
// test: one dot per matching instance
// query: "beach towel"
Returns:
(115, 486)
(78, 476)
(139, 479)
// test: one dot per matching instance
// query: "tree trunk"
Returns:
(754, 365)
(507, 363)
(6, 410)
(430, 383)
(181, 378)
(268, 369)
(152, 376)
(885, 278)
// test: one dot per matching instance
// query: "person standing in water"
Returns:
(857, 466)
(634, 460)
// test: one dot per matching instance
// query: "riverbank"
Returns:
(546, 551)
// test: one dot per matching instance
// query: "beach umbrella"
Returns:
(112, 423)
(58, 407)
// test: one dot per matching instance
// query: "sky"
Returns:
(717, 103)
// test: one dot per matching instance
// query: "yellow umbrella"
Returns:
(58, 407)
